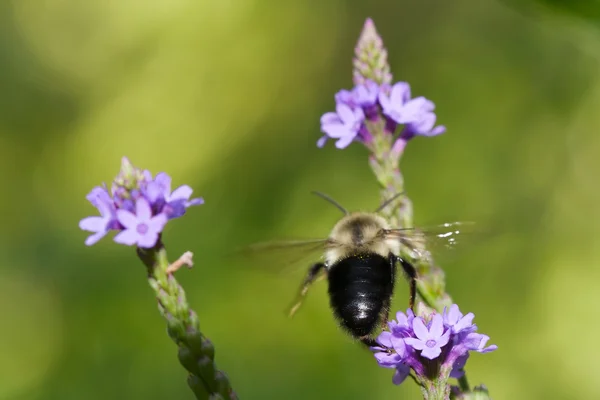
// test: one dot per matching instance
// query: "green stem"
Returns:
(196, 353)
(385, 165)
(463, 384)
(431, 294)
(434, 390)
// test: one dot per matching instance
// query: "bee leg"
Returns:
(411, 275)
(369, 341)
(313, 274)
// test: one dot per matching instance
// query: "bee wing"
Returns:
(285, 255)
(420, 241)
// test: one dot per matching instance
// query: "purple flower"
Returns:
(446, 340)
(394, 359)
(429, 341)
(392, 104)
(423, 126)
(343, 125)
(178, 200)
(477, 342)
(139, 208)
(458, 367)
(455, 319)
(99, 225)
(368, 101)
(417, 114)
(366, 95)
(402, 326)
(141, 228)
(402, 372)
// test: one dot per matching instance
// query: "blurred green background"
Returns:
(226, 96)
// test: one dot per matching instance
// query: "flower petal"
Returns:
(182, 192)
(143, 210)
(321, 142)
(463, 323)
(400, 93)
(399, 346)
(164, 181)
(457, 369)
(174, 209)
(359, 115)
(344, 96)
(420, 329)
(335, 130)
(195, 202)
(98, 195)
(330, 118)
(438, 130)
(443, 340)
(93, 224)
(154, 192)
(148, 240)
(402, 319)
(345, 113)
(384, 101)
(385, 339)
(437, 326)
(157, 223)
(344, 141)
(95, 237)
(415, 343)
(491, 347)
(387, 360)
(431, 352)
(366, 95)
(127, 219)
(452, 315)
(127, 237)
(401, 373)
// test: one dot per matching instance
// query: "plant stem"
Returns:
(196, 353)
(431, 279)
(463, 383)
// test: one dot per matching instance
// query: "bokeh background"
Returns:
(226, 96)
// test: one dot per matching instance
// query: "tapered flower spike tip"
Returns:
(371, 57)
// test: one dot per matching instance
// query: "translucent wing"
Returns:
(284, 256)
(420, 241)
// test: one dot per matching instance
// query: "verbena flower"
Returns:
(370, 102)
(429, 340)
(411, 342)
(344, 125)
(141, 227)
(138, 206)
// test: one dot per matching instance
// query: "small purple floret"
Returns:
(139, 208)
(411, 343)
(99, 225)
(343, 125)
(141, 228)
(371, 102)
(429, 341)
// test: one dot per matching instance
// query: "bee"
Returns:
(360, 258)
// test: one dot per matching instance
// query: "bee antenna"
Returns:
(332, 201)
(388, 201)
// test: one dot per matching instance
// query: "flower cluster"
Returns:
(138, 206)
(439, 344)
(370, 102)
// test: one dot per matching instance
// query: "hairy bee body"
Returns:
(360, 259)
(360, 264)
(360, 289)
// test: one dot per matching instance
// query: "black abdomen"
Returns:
(360, 289)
